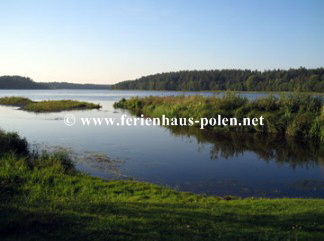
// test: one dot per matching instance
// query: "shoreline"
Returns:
(44, 198)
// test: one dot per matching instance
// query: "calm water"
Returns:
(189, 160)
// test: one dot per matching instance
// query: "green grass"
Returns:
(42, 197)
(15, 101)
(47, 105)
(59, 105)
(297, 115)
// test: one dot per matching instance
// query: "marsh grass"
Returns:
(59, 105)
(296, 115)
(14, 101)
(47, 105)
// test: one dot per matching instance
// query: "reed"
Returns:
(300, 116)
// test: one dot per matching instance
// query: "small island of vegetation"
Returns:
(47, 105)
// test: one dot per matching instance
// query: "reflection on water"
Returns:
(187, 159)
(267, 147)
(290, 168)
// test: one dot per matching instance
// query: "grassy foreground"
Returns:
(300, 116)
(47, 105)
(42, 197)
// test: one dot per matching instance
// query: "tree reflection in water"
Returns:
(267, 147)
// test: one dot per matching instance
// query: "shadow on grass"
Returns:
(18, 224)
(147, 221)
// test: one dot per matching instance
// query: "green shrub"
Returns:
(301, 125)
(13, 143)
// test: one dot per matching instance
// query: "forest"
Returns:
(20, 82)
(295, 80)
(299, 80)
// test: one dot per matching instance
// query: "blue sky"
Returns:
(97, 41)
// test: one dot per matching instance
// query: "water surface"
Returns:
(189, 160)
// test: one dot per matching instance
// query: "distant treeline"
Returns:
(65, 85)
(301, 79)
(19, 82)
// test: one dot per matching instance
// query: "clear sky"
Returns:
(93, 41)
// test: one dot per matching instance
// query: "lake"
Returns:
(188, 160)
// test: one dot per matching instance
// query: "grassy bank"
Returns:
(47, 105)
(42, 197)
(299, 116)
